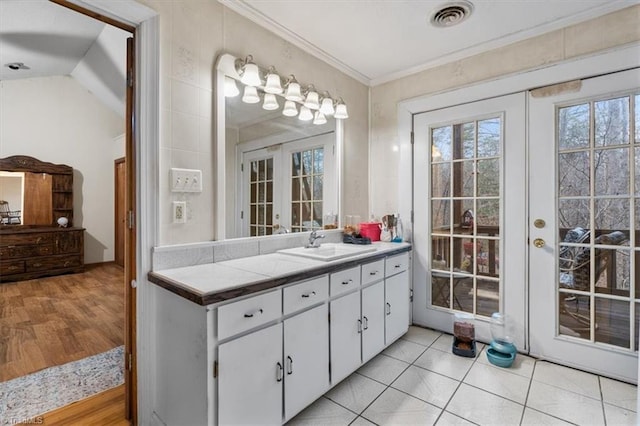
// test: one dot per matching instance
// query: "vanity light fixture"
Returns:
(270, 102)
(293, 92)
(319, 118)
(311, 101)
(290, 109)
(341, 110)
(250, 95)
(248, 71)
(273, 84)
(326, 105)
(230, 87)
(305, 114)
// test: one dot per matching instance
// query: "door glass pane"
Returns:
(307, 190)
(261, 196)
(594, 229)
(612, 122)
(637, 164)
(573, 127)
(466, 178)
(637, 118)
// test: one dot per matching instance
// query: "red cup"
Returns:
(370, 230)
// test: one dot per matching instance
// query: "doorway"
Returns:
(547, 233)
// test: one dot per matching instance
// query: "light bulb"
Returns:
(290, 109)
(305, 114)
(230, 87)
(341, 111)
(311, 101)
(293, 90)
(319, 118)
(326, 106)
(273, 84)
(251, 75)
(250, 95)
(270, 102)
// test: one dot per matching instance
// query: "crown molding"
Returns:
(249, 12)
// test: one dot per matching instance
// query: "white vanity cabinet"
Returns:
(261, 357)
(285, 362)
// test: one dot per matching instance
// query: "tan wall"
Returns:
(192, 34)
(606, 32)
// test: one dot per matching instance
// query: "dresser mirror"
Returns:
(34, 193)
(274, 173)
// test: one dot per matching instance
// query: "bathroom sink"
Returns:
(329, 251)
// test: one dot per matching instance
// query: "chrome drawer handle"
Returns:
(279, 371)
(290, 366)
(349, 281)
(257, 312)
(373, 273)
(388, 308)
(366, 323)
(313, 293)
(398, 266)
(359, 326)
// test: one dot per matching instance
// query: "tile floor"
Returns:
(418, 381)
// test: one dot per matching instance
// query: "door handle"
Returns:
(538, 242)
(278, 372)
(388, 308)
(366, 323)
(290, 365)
(359, 326)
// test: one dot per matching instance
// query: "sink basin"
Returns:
(329, 251)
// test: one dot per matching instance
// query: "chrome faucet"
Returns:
(314, 238)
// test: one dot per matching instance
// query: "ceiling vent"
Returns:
(17, 66)
(451, 14)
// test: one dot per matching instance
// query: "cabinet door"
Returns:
(345, 336)
(68, 242)
(372, 320)
(396, 306)
(250, 377)
(306, 359)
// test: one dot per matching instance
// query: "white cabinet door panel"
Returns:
(396, 306)
(372, 321)
(345, 336)
(250, 379)
(306, 359)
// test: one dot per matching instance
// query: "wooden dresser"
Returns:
(39, 251)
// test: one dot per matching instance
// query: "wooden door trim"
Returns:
(118, 203)
(131, 386)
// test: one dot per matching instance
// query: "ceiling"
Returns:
(376, 41)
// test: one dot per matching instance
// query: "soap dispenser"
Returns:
(397, 238)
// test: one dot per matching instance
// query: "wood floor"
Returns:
(55, 320)
(106, 408)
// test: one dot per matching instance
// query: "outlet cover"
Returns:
(179, 211)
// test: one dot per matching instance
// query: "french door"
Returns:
(470, 215)
(585, 224)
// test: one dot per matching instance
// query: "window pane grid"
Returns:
(261, 201)
(307, 183)
(465, 216)
(597, 220)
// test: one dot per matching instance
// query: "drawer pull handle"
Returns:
(38, 240)
(290, 365)
(349, 281)
(388, 308)
(398, 266)
(366, 323)
(278, 372)
(373, 273)
(13, 267)
(37, 265)
(67, 263)
(359, 326)
(251, 315)
(313, 293)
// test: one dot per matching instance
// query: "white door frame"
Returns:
(606, 62)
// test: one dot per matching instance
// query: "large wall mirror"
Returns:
(276, 173)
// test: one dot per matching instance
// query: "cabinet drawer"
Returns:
(8, 268)
(344, 281)
(26, 239)
(246, 314)
(396, 264)
(372, 272)
(58, 262)
(12, 252)
(300, 296)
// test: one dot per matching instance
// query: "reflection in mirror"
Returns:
(275, 173)
(11, 197)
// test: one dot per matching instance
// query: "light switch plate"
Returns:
(179, 211)
(185, 180)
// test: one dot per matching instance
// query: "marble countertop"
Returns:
(216, 282)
